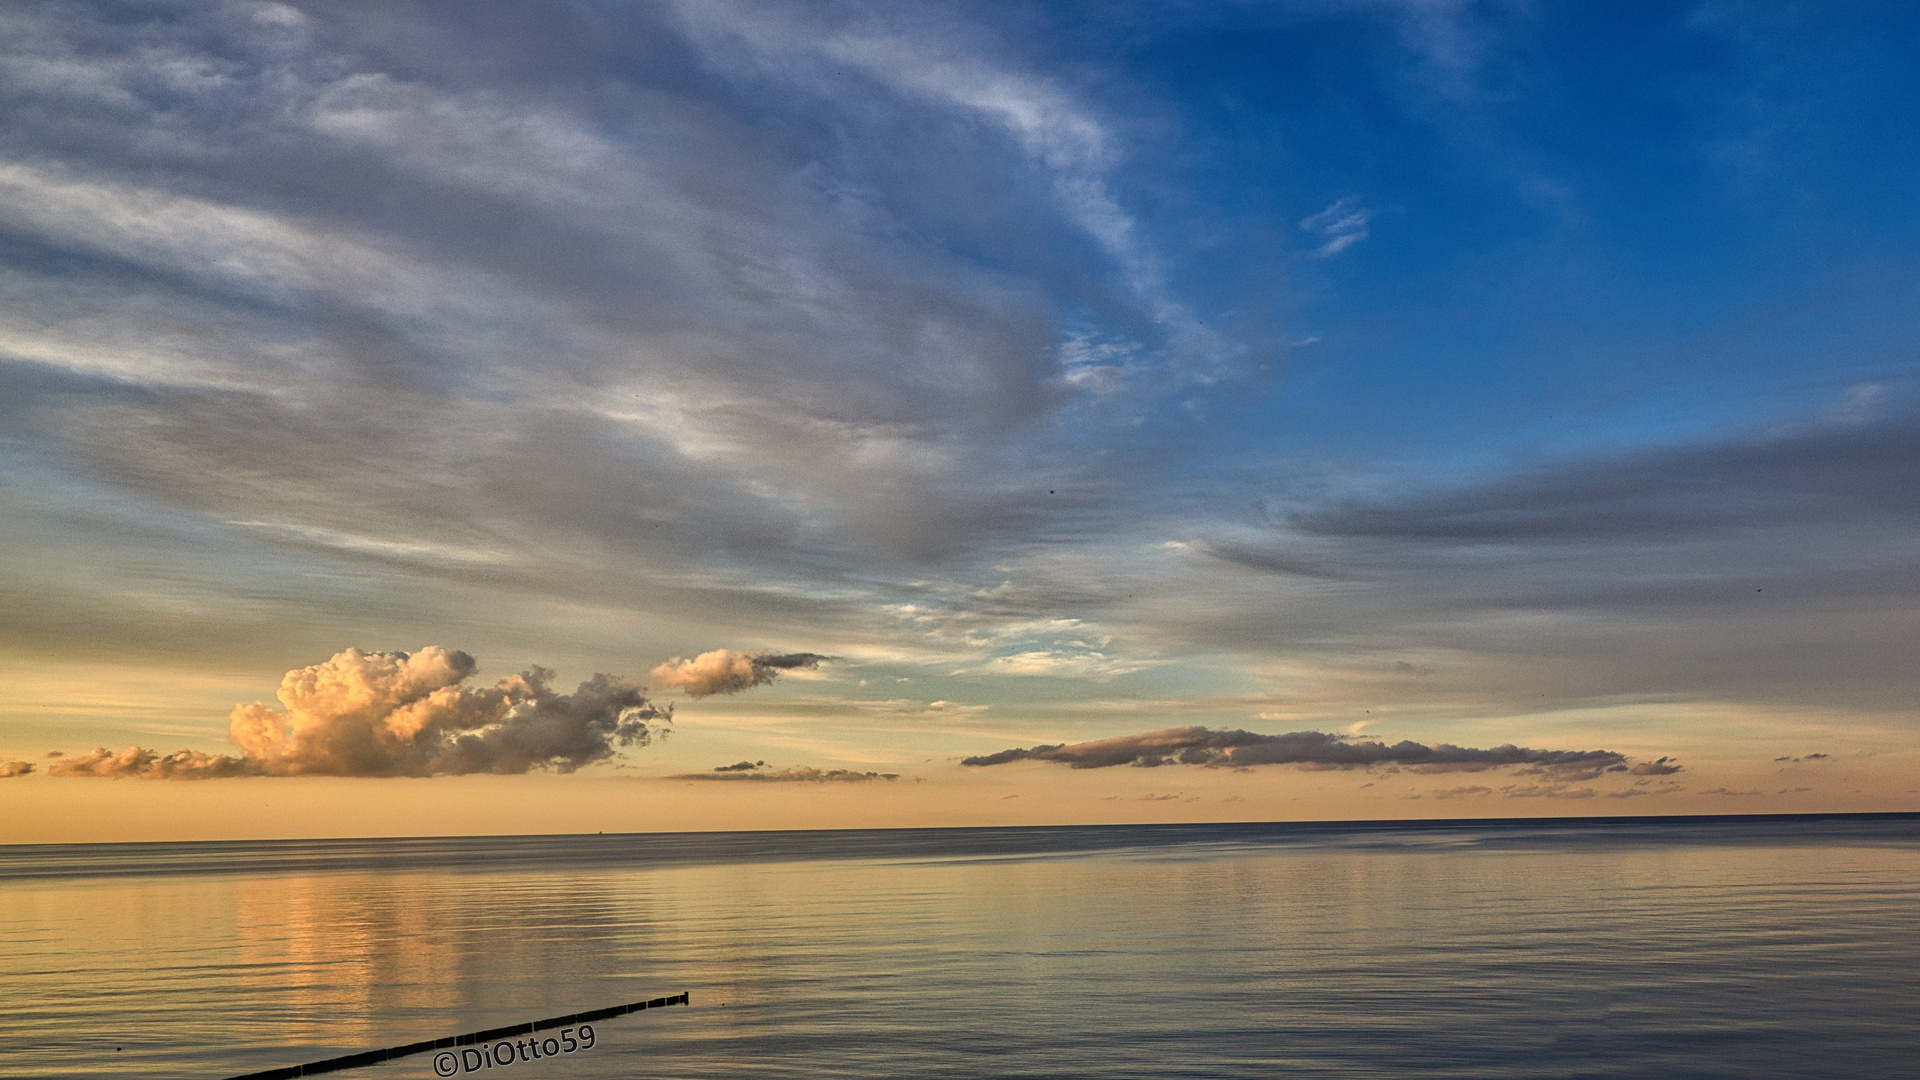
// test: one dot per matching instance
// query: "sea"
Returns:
(1735, 947)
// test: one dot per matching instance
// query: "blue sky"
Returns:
(1476, 373)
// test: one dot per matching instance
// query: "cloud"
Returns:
(1057, 135)
(775, 316)
(1659, 767)
(1460, 792)
(751, 770)
(631, 306)
(1546, 791)
(1652, 575)
(1079, 663)
(407, 714)
(1306, 749)
(1340, 226)
(724, 671)
(1825, 475)
(15, 768)
(146, 764)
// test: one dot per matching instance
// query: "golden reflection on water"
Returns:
(1228, 961)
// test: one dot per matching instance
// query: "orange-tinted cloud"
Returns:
(407, 714)
(1546, 791)
(724, 671)
(152, 765)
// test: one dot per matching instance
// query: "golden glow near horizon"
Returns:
(821, 763)
(396, 421)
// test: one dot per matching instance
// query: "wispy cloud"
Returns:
(691, 320)
(1341, 225)
(1546, 791)
(1460, 792)
(1075, 150)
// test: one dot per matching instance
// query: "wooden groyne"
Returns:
(473, 1038)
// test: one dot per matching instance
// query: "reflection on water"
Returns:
(1515, 952)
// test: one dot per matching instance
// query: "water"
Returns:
(1704, 948)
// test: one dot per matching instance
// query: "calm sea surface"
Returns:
(1670, 949)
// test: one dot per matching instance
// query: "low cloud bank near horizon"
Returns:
(757, 770)
(724, 671)
(406, 714)
(1318, 750)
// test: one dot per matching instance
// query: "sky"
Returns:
(500, 417)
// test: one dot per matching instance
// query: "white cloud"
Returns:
(1340, 226)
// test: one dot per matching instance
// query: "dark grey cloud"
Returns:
(1307, 749)
(1660, 575)
(789, 661)
(1827, 476)
(805, 774)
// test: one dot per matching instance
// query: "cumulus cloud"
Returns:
(146, 764)
(724, 671)
(1306, 749)
(406, 714)
(752, 770)
(15, 768)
